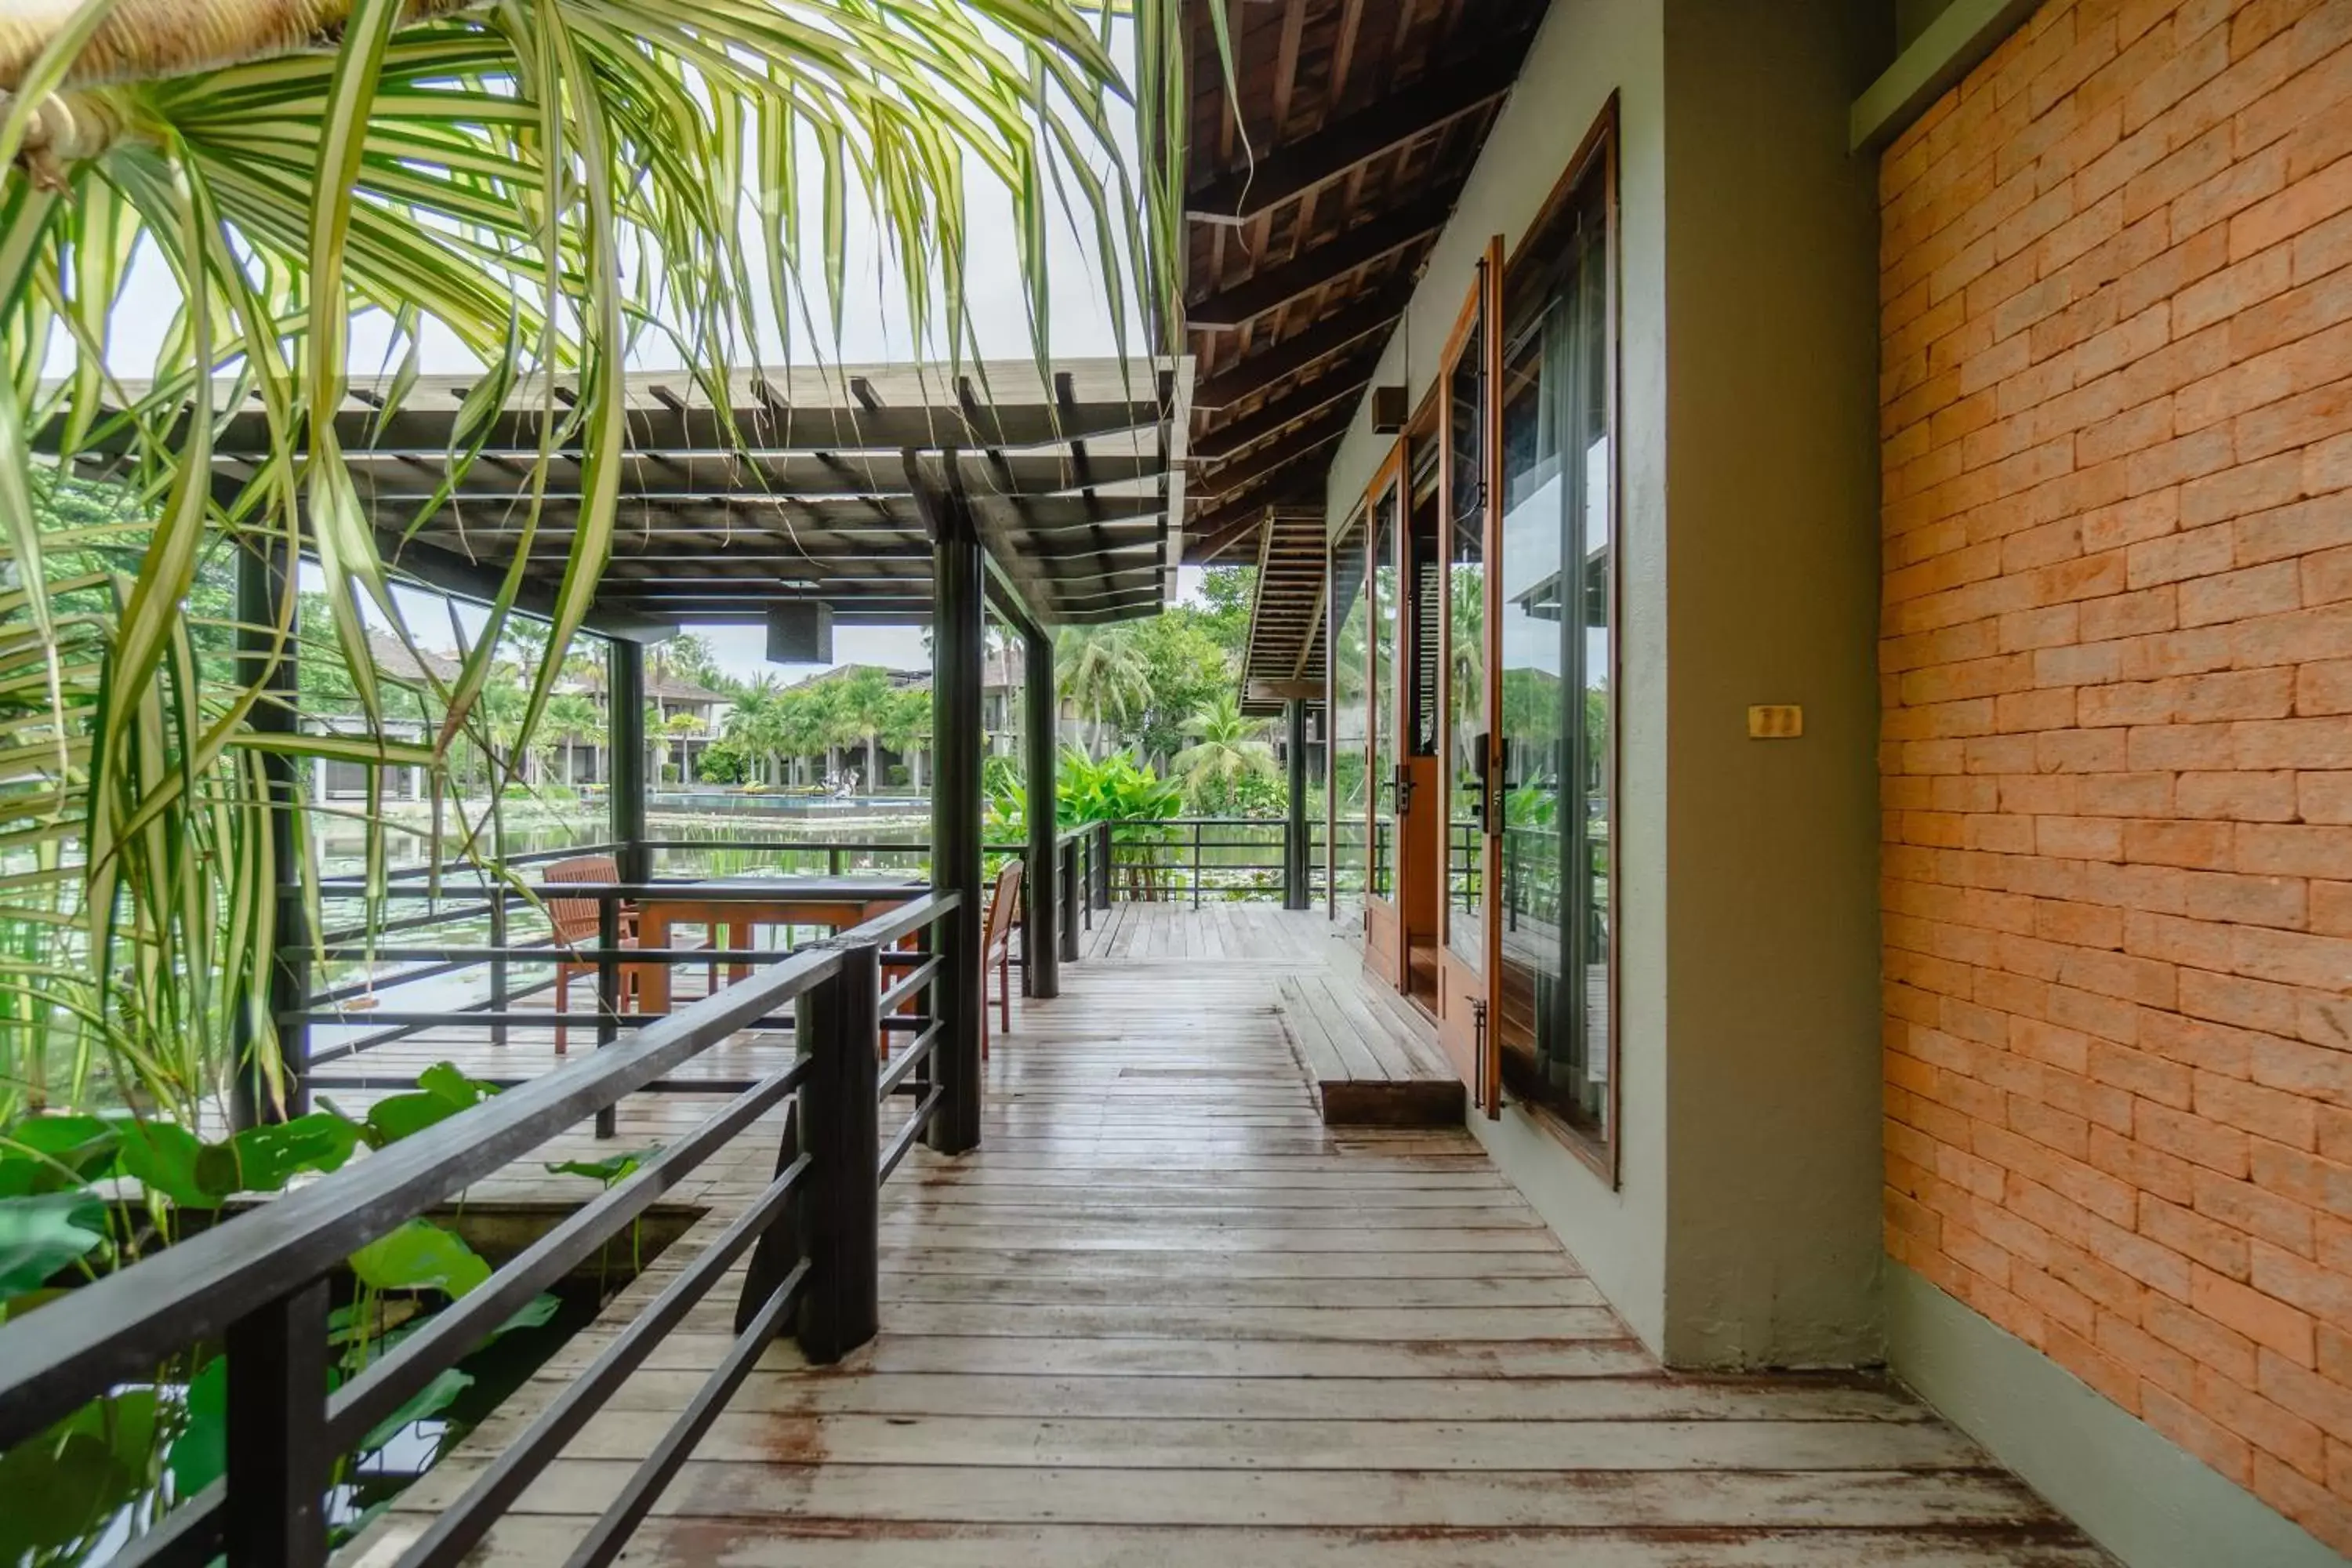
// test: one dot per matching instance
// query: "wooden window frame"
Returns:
(1596, 157)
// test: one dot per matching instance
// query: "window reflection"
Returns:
(1380, 699)
(1351, 629)
(1557, 607)
(1466, 629)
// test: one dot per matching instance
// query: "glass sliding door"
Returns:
(1381, 696)
(1557, 648)
(1469, 409)
(1348, 836)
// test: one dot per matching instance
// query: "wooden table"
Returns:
(735, 904)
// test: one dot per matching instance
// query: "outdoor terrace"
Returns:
(1164, 1314)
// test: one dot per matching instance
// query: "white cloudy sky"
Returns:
(875, 329)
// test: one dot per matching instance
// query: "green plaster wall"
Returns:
(1744, 1229)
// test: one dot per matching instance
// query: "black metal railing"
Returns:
(1201, 859)
(519, 936)
(262, 1284)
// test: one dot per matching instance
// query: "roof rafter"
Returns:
(1443, 95)
(1350, 250)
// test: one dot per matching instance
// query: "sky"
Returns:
(875, 329)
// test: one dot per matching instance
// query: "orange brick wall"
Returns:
(2117, 654)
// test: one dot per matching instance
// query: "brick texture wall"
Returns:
(2116, 655)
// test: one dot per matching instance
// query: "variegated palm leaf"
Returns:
(550, 183)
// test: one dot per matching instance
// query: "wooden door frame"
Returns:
(1394, 471)
(1483, 306)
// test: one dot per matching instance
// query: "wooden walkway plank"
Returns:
(1168, 1317)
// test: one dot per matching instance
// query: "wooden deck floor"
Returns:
(1166, 1317)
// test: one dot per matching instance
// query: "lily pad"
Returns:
(420, 1256)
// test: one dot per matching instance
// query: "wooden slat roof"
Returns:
(801, 488)
(1308, 219)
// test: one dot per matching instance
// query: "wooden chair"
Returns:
(997, 949)
(575, 924)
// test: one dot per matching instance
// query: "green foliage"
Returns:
(1114, 789)
(121, 1450)
(1141, 684)
(1230, 768)
(724, 762)
(420, 1256)
(66, 1486)
(611, 1171)
(41, 1235)
(441, 1091)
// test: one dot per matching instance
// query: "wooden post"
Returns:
(957, 649)
(1041, 953)
(626, 728)
(278, 1455)
(266, 571)
(1294, 827)
(840, 1024)
(1072, 897)
(608, 996)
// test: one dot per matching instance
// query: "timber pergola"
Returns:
(804, 485)
(796, 498)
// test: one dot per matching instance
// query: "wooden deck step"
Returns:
(1374, 1060)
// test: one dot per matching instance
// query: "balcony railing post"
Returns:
(956, 1003)
(1196, 864)
(1066, 868)
(840, 1027)
(277, 1457)
(498, 965)
(1102, 865)
(264, 599)
(608, 994)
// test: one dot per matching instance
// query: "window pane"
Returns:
(1381, 699)
(1351, 746)
(1557, 602)
(1466, 617)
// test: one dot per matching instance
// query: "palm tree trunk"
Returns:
(873, 764)
(148, 40)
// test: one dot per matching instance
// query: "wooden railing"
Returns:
(260, 1284)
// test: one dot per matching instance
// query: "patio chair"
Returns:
(997, 949)
(575, 924)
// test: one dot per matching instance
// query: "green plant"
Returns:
(131, 1448)
(550, 185)
(1218, 771)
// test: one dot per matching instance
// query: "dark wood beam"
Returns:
(1304, 440)
(1349, 251)
(386, 476)
(1230, 532)
(1308, 399)
(1240, 196)
(1246, 377)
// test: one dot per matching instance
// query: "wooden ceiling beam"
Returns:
(389, 476)
(1242, 195)
(1304, 440)
(1307, 399)
(1321, 340)
(1350, 250)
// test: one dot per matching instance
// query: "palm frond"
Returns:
(552, 183)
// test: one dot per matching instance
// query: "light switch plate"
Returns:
(1776, 722)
